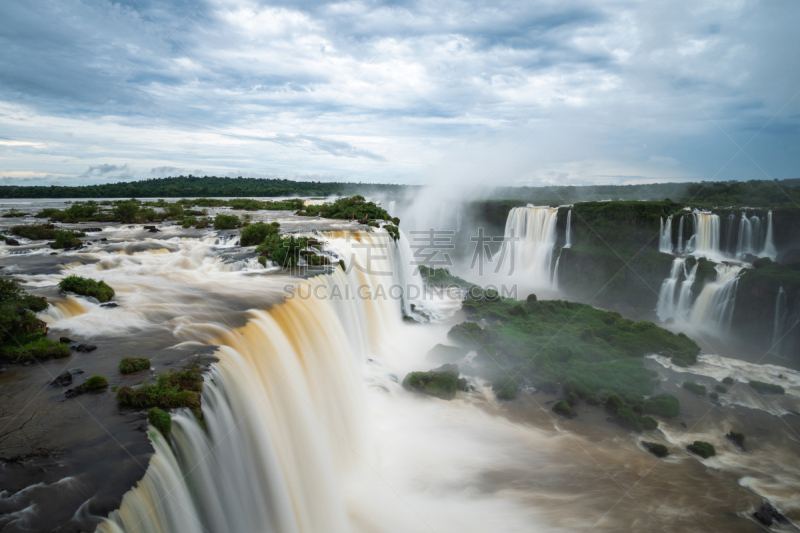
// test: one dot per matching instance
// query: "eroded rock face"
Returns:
(767, 514)
(63, 380)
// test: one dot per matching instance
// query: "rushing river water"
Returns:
(307, 428)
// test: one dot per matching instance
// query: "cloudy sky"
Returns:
(495, 92)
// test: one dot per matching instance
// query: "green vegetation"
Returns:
(176, 388)
(160, 420)
(441, 277)
(703, 449)
(22, 335)
(744, 193)
(287, 250)
(77, 212)
(665, 405)
(659, 450)
(728, 380)
(770, 388)
(393, 231)
(96, 383)
(66, 240)
(14, 214)
(35, 232)
(353, 208)
(713, 396)
(563, 408)
(585, 351)
(129, 365)
(226, 222)
(736, 437)
(441, 382)
(257, 233)
(182, 186)
(720, 388)
(694, 388)
(87, 287)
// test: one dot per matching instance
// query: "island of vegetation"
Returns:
(23, 335)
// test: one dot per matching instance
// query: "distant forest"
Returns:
(753, 193)
(195, 186)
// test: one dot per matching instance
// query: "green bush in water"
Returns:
(65, 240)
(762, 387)
(87, 287)
(562, 408)
(736, 437)
(257, 233)
(721, 388)
(35, 232)
(703, 449)
(728, 381)
(572, 399)
(441, 382)
(129, 365)
(160, 420)
(713, 396)
(665, 405)
(96, 383)
(226, 222)
(695, 388)
(659, 450)
(39, 349)
(171, 390)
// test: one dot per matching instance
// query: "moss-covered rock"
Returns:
(665, 405)
(440, 382)
(96, 383)
(160, 420)
(659, 450)
(562, 408)
(702, 448)
(87, 287)
(129, 365)
(176, 388)
(694, 388)
(737, 438)
(766, 388)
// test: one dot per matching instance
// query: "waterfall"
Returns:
(755, 243)
(769, 249)
(705, 241)
(780, 317)
(665, 240)
(555, 269)
(666, 296)
(729, 234)
(529, 240)
(713, 308)
(568, 242)
(744, 242)
(684, 306)
(680, 236)
(284, 411)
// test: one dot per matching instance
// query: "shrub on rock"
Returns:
(702, 448)
(694, 388)
(665, 405)
(659, 450)
(562, 408)
(770, 388)
(87, 287)
(160, 420)
(96, 383)
(441, 382)
(129, 365)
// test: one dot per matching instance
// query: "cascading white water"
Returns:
(679, 248)
(529, 240)
(568, 239)
(713, 308)
(555, 269)
(284, 415)
(769, 249)
(665, 239)
(666, 298)
(705, 241)
(684, 306)
(780, 317)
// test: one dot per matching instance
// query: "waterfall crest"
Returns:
(666, 298)
(769, 249)
(705, 241)
(529, 241)
(665, 238)
(284, 412)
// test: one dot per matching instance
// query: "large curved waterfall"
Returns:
(705, 241)
(528, 244)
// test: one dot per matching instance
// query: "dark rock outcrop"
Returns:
(767, 514)
(109, 304)
(86, 348)
(441, 382)
(63, 380)
(12, 242)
